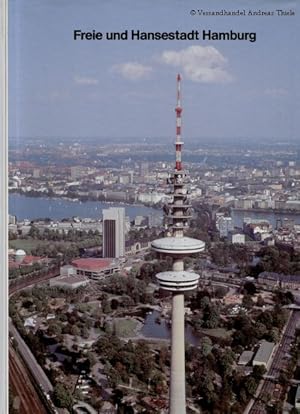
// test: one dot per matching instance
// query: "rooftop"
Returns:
(92, 264)
(245, 357)
(72, 279)
(264, 352)
(28, 259)
(279, 277)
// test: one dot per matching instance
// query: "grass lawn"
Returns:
(125, 327)
(217, 333)
(31, 244)
(26, 245)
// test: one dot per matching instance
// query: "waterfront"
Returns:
(238, 216)
(57, 208)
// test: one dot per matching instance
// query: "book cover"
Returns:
(146, 276)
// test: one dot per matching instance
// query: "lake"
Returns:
(57, 208)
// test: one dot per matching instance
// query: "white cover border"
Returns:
(3, 212)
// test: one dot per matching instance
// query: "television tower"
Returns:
(178, 280)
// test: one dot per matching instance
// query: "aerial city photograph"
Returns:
(154, 207)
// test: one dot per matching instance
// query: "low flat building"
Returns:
(279, 280)
(245, 358)
(67, 270)
(268, 279)
(264, 354)
(69, 282)
(95, 268)
(237, 238)
(135, 247)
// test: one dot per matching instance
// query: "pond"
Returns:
(157, 327)
(58, 356)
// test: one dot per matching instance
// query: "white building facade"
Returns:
(114, 232)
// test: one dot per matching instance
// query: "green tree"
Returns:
(75, 331)
(34, 232)
(220, 292)
(62, 397)
(260, 301)
(274, 335)
(258, 372)
(247, 301)
(206, 387)
(225, 362)
(206, 346)
(211, 317)
(158, 381)
(250, 385)
(260, 330)
(54, 328)
(250, 288)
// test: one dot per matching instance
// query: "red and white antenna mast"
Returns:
(178, 110)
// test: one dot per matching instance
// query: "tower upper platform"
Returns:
(178, 281)
(178, 245)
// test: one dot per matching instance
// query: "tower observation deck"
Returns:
(178, 280)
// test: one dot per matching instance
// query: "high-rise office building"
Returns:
(114, 232)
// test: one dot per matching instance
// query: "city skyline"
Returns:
(62, 87)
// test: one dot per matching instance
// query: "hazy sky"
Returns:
(127, 88)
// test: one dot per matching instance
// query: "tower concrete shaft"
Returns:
(178, 280)
(177, 383)
(177, 401)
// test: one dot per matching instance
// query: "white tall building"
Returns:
(225, 225)
(114, 232)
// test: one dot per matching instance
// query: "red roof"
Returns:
(26, 261)
(92, 264)
(30, 259)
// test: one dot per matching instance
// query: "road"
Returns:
(278, 363)
(22, 387)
